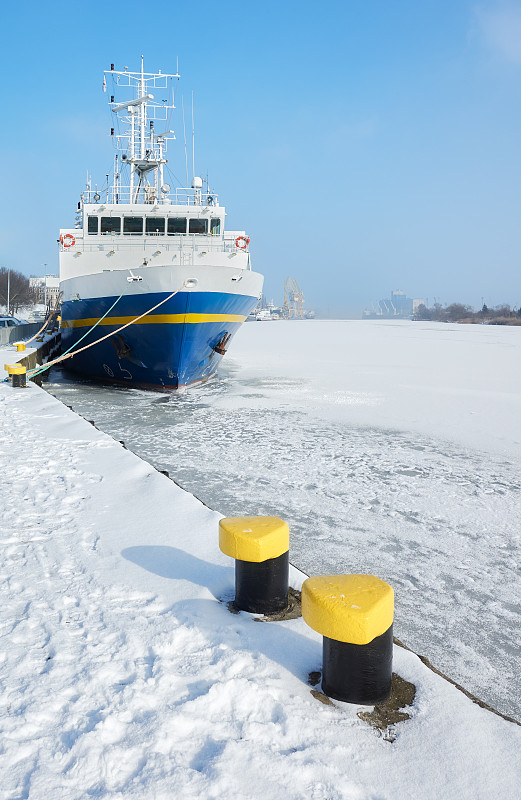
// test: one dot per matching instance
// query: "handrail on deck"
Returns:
(122, 195)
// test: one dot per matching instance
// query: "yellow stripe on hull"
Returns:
(155, 319)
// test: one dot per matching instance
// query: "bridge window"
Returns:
(198, 226)
(111, 225)
(215, 226)
(176, 225)
(155, 226)
(133, 226)
(93, 225)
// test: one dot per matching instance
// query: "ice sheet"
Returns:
(390, 448)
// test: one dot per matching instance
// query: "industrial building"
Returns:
(46, 289)
(397, 306)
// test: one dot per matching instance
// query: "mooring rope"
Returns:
(37, 370)
(69, 354)
(48, 319)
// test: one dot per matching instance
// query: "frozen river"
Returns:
(390, 448)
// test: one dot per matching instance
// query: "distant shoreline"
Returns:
(464, 314)
(473, 320)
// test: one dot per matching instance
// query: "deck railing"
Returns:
(187, 243)
(149, 196)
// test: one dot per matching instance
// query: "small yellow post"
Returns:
(20, 347)
(354, 614)
(260, 547)
(19, 375)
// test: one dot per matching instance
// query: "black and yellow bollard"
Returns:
(260, 547)
(19, 375)
(354, 614)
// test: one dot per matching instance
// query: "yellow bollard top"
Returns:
(348, 608)
(17, 369)
(20, 347)
(253, 538)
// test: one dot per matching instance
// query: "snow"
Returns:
(455, 382)
(366, 438)
(124, 675)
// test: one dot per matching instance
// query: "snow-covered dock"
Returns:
(37, 350)
(124, 675)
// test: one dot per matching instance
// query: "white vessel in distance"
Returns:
(150, 278)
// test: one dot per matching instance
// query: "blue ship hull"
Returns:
(179, 344)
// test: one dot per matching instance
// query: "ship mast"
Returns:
(142, 110)
(143, 148)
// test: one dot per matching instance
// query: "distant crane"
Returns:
(293, 300)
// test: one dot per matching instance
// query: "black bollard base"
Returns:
(261, 587)
(20, 381)
(358, 673)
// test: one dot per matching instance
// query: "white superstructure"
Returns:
(136, 236)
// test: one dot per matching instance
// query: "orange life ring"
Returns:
(68, 243)
(245, 239)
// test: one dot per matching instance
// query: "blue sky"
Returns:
(365, 145)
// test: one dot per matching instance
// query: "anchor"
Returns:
(221, 345)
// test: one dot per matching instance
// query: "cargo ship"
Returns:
(153, 286)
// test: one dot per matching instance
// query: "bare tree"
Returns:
(20, 292)
(457, 311)
(502, 310)
(422, 312)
